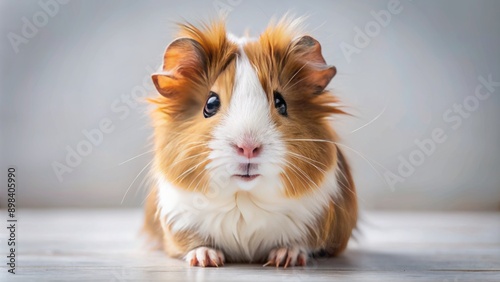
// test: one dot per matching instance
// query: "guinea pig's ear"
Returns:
(184, 60)
(308, 51)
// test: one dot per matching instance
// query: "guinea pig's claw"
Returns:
(287, 256)
(268, 263)
(205, 257)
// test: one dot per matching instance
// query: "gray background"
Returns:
(66, 78)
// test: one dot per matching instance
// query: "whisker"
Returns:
(200, 144)
(198, 175)
(195, 142)
(301, 177)
(293, 76)
(325, 172)
(371, 121)
(318, 27)
(142, 185)
(302, 180)
(209, 180)
(190, 157)
(188, 133)
(345, 186)
(150, 191)
(133, 181)
(307, 176)
(304, 159)
(307, 158)
(184, 174)
(291, 183)
(142, 154)
(297, 82)
(302, 172)
(349, 148)
(147, 196)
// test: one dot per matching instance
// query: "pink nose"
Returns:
(249, 150)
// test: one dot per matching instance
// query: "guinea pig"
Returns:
(247, 165)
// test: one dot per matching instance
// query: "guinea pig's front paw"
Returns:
(205, 256)
(287, 256)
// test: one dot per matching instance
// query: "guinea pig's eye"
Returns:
(212, 105)
(280, 104)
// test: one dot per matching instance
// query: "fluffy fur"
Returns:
(303, 200)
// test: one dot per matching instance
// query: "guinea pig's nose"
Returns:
(249, 149)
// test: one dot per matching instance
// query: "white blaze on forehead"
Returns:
(247, 121)
(249, 107)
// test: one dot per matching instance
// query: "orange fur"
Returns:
(292, 66)
(340, 218)
(181, 131)
(284, 64)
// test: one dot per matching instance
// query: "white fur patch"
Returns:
(246, 226)
(246, 220)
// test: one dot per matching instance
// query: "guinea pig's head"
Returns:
(244, 114)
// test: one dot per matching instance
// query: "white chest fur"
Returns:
(245, 225)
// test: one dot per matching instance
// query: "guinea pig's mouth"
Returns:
(247, 177)
(245, 172)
